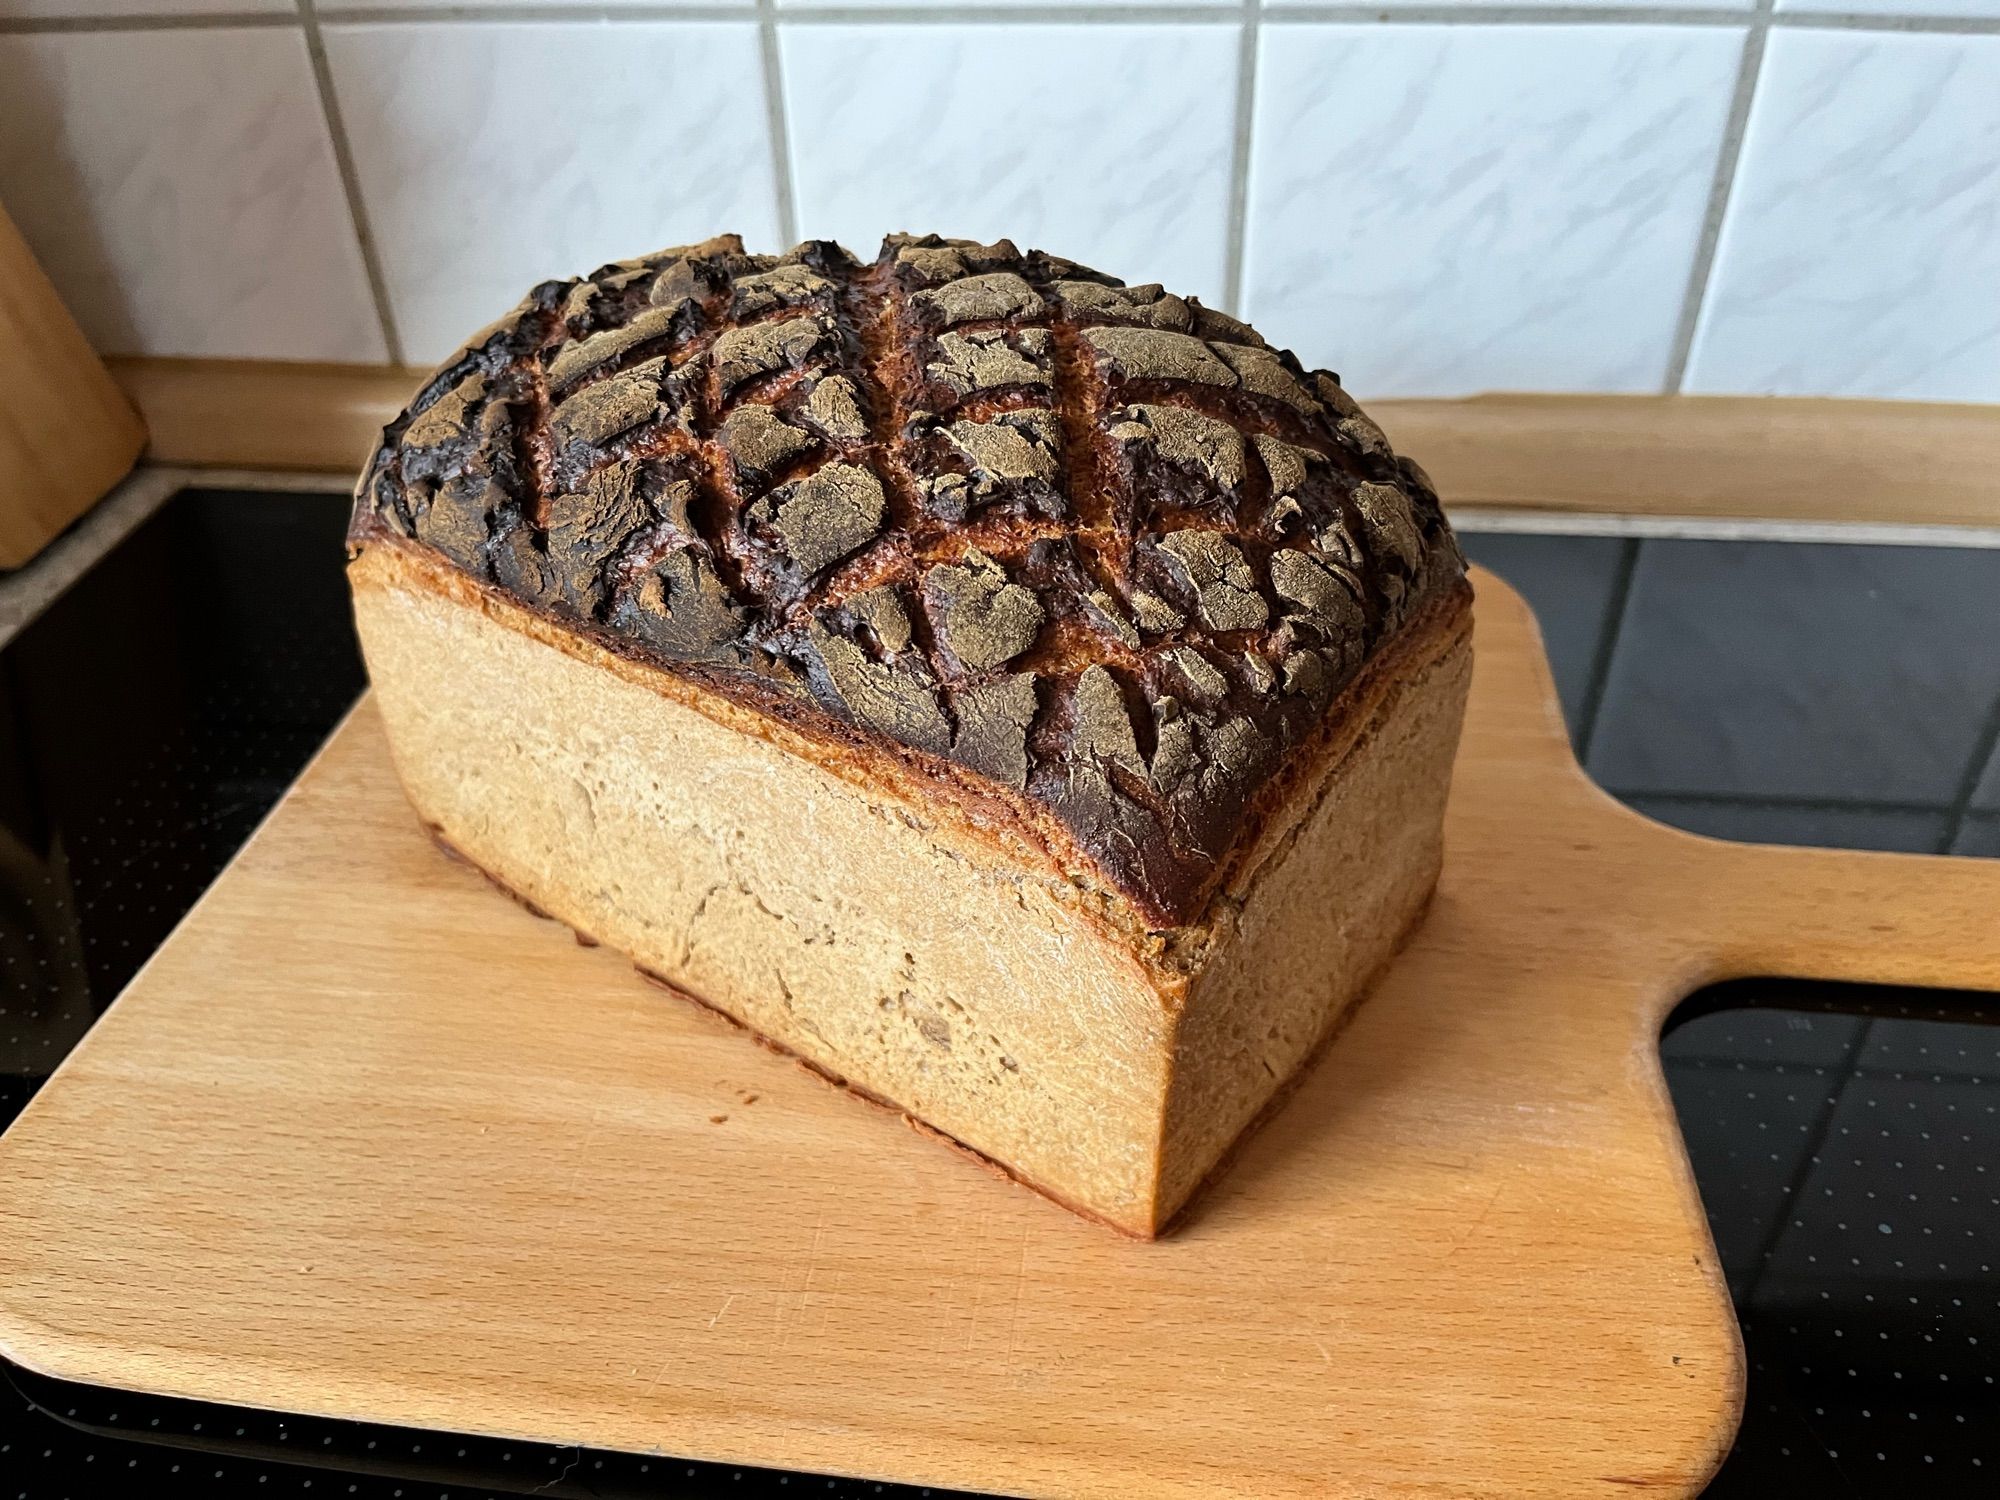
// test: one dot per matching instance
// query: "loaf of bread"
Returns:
(1027, 698)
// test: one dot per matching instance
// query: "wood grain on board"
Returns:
(367, 1140)
(67, 433)
(1751, 458)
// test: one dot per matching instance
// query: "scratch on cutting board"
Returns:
(1020, 1295)
(803, 1297)
(972, 1314)
(583, 1161)
(1324, 1353)
(812, 1259)
(658, 1376)
(721, 1310)
(1484, 1213)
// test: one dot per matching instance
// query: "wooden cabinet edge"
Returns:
(68, 434)
(263, 414)
(1714, 457)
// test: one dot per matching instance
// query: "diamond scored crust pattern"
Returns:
(1098, 546)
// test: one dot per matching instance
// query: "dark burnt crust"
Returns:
(1098, 546)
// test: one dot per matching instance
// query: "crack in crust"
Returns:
(1098, 544)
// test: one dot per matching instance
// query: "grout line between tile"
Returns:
(1607, 643)
(1626, 15)
(350, 182)
(1696, 1063)
(1036, 15)
(1788, 803)
(1703, 268)
(777, 121)
(1815, 1143)
(222, 21)
(1853, 21)
(392, 15)
(1474, 519)
(1239, 160)
(1984, 748)
(975, 14)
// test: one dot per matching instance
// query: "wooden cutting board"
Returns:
(367, 1140)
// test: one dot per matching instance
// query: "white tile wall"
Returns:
(1446, 209)
(1861, 256)
(180, 187)
(1429, 199)
(491, 156)
(1110, 145)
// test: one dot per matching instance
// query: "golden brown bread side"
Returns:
(1029, 699)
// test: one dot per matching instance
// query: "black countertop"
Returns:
(1846, 1140)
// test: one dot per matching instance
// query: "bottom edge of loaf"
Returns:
(1289, 1086)
(1187, 1208)
(828, 1076)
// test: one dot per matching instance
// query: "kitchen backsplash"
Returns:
(1434, 200)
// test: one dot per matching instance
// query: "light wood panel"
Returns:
(1881, 462)
(67, 433)
(367, 1140)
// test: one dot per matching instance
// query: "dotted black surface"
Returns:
(1848, 1150)
(1846, 1140)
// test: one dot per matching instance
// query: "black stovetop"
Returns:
(1846, 1141)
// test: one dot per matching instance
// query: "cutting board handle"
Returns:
(1704, 909)
(1841, 915)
